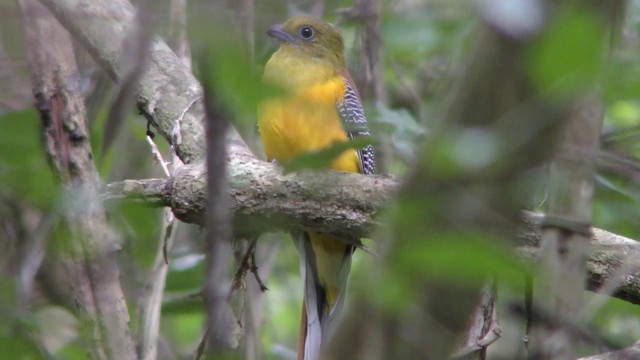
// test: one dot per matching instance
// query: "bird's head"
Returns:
(309, 37)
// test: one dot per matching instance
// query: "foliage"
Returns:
(425, 46)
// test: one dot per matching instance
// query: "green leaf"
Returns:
(321, 159)
(569, 56)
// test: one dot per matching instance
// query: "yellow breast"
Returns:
(305, 119)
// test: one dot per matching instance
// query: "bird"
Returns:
(318, 107)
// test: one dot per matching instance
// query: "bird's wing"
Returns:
(355, 124)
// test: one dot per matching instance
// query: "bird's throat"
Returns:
(288, 69)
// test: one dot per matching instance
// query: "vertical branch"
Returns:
(219, 253)
(567, 225)
(566, 229)
(90, 262)
(151, 304)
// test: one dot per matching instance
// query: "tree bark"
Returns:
(219, 231)
(90, 248)
(170, 97)
(263, 199)
(252, 180)
(565, 245)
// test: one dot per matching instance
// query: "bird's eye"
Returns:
(306, 32)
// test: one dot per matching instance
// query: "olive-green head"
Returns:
(305, 36)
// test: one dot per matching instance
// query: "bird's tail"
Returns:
(325, 262)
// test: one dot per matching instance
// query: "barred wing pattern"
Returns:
(355, 124)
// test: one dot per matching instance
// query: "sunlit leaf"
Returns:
(624, 113)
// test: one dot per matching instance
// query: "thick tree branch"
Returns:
(608, 254)
(169, 95)
(565, 248)
(326, 202)
(264, 199)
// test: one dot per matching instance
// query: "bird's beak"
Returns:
(279, 33)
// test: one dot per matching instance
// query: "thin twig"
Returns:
(239, 279)
(152, 299)
(202, 345)
(151, 304)
(254, 270)
(157, 156)
(248, 263)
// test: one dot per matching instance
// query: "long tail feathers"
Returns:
(325, 263)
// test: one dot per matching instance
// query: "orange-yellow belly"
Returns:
(305, 121)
